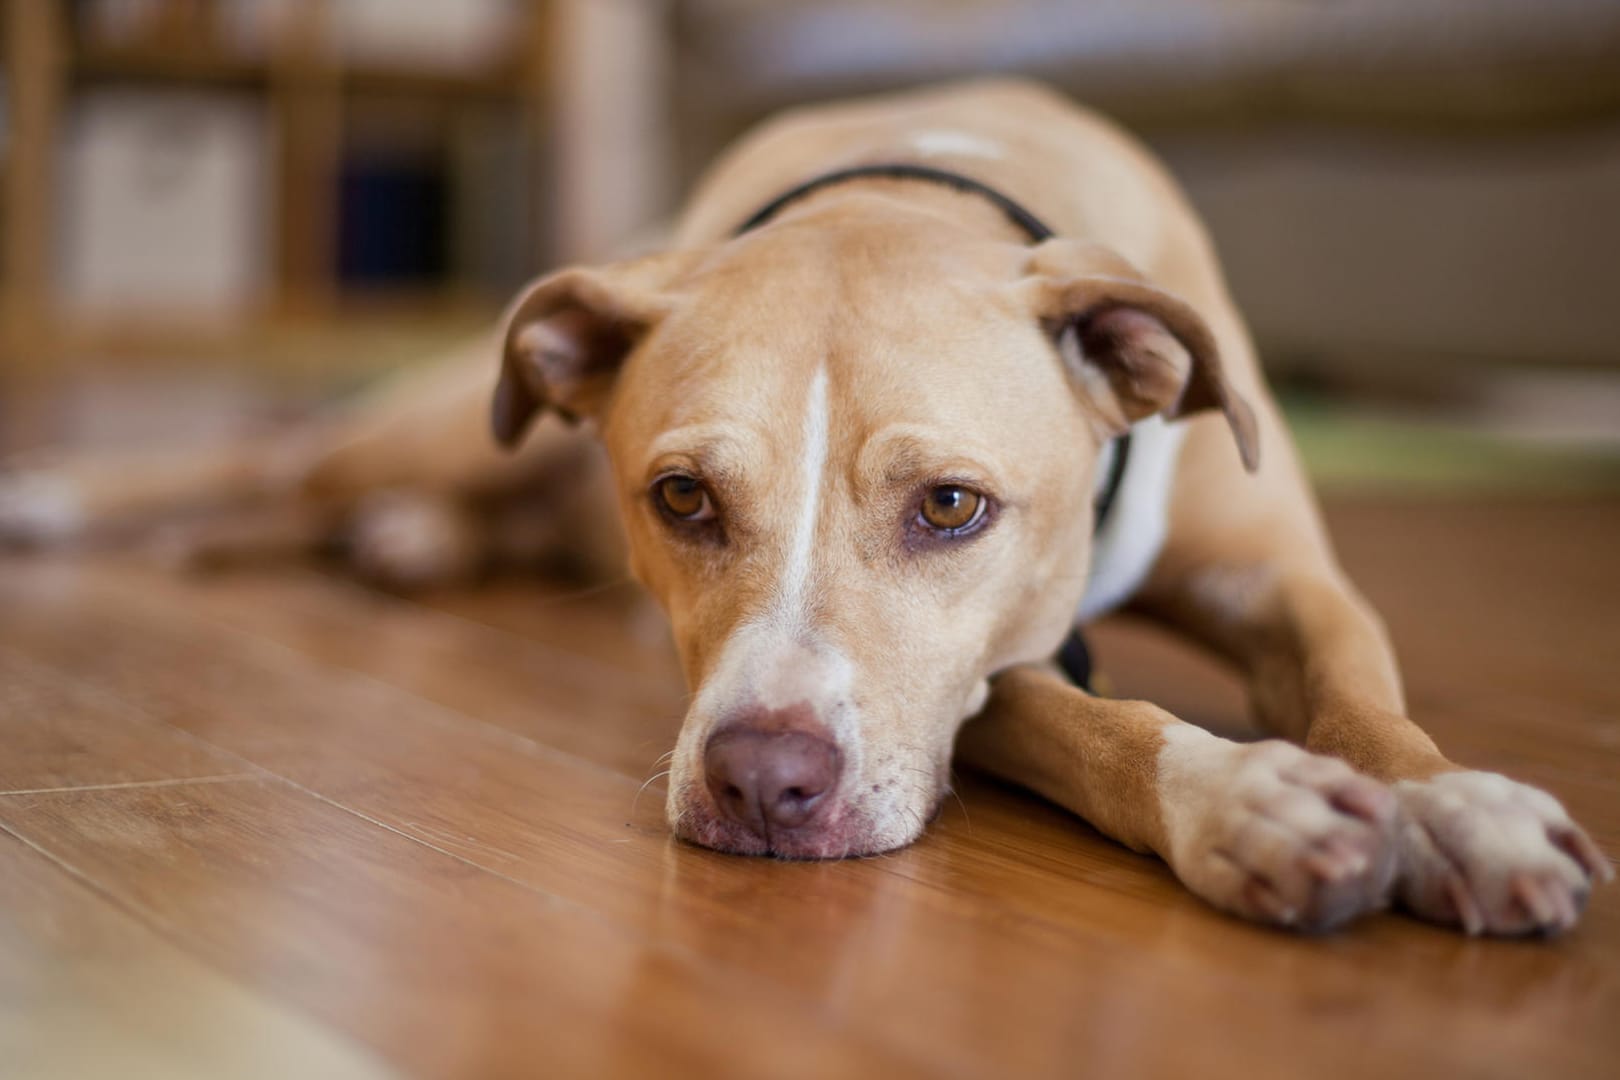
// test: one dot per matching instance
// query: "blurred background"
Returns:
(217, 213)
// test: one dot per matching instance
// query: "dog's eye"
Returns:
(684, 498)
(952, 509)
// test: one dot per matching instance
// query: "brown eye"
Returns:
(951, 508)
(684, 498)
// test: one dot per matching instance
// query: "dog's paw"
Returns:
(412, 540)
(1276, 834)
(38, 508)
(1492, 855)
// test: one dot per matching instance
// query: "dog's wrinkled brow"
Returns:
(715, 451)
(909, 452)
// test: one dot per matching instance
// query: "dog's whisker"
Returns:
(654, 778)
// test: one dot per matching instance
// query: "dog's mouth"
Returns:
(780, 758)
(844, 832)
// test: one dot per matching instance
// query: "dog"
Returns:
(919, 384)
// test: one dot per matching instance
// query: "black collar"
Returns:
(1036, 229)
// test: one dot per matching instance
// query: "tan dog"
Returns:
(856, 450)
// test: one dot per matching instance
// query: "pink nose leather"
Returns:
(769, 781)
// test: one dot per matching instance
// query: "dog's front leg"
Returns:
(1476, 849)
(1263, 830)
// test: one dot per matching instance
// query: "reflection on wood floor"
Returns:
(278, 825)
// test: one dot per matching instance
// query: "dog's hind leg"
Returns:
(58, 497)
(388, 477)
(1263, 830)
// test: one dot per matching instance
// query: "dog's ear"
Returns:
(1141, 349)
(564, 339)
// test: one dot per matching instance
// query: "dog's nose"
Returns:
(767, 780)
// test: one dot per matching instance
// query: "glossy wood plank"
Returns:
(810, 926)
(55, 736)
(446, 969)
(88, 991)
(1012, 939)
(577, 681)
(441, 795)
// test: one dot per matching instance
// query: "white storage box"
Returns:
(164, 206)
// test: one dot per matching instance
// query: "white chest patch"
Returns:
(954, 143)
(1124, 551)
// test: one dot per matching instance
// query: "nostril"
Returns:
(770, 779)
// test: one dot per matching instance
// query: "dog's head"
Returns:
(855, 458)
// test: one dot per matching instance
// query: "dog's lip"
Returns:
(848, 834)
(807, 852)
(835, 841)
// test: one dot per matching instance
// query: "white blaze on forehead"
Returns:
(795, 579)
(956, 143)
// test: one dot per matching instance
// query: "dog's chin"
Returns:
(846, 834)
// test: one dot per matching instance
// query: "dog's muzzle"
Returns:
(771, 782)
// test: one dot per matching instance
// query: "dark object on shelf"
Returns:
(392, 220)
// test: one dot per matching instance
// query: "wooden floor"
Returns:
(280, 826)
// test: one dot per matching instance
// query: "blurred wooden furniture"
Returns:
(282, 826)
(615, 143)
(1402, 189)
(310, 93)
(33, 64)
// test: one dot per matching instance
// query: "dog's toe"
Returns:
(1285, 837)
(38, 508)
(412, 540)
(1493, 856)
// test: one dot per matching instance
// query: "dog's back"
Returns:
(1085, 177)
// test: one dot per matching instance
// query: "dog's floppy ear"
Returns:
(564, 339)
(1143, 349)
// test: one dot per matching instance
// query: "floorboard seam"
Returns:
(264, 772)
(554, 901)
(212, 778)
(163, 930)
(785, 993)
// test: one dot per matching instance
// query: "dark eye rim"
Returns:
(921, 530)
(698, 520)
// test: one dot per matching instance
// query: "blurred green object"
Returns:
(1352, 448)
